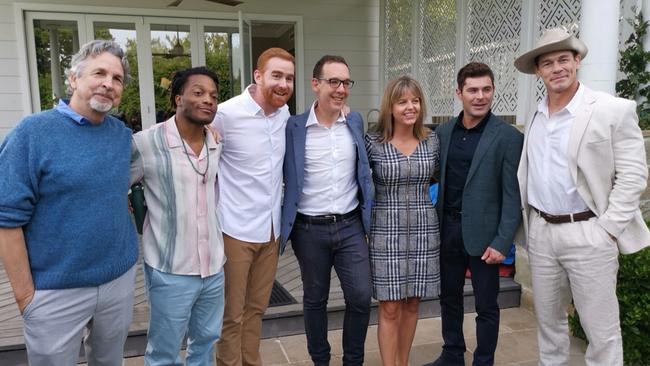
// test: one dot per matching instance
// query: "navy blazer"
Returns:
(294, 171)
(491, 211)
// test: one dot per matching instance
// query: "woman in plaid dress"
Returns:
(404, 236)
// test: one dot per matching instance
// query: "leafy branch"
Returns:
(633, 62)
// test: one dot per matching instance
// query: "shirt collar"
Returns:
(174, 137)
(312, 120)
(64, 108)
(251, 105)
(478, 128)
(572, 107)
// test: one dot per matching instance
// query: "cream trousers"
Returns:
(578, 260)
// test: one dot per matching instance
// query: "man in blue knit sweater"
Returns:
(66, 239)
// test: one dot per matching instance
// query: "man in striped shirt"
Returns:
(183, 246)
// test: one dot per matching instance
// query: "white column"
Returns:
(645, 10)
(75, 41)
(55, 64)
(526, 83)
(599, 31)
(461, 54)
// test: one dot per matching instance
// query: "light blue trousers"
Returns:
(180, 305)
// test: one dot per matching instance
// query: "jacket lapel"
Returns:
(300, 136)
(578, 128)
(445, 135)
(358, 139)
(522, 170)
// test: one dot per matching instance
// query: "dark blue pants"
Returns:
(454, 261)
(318, 247)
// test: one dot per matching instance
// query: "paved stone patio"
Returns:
(517, 344)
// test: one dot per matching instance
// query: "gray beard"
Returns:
(99, 106)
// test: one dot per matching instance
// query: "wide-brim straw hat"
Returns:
(554, 39)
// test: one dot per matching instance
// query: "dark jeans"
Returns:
(343, 245)
(454, 261)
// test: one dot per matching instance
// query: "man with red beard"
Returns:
(252, 127)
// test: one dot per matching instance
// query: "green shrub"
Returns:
(633, 293)
(633, 61)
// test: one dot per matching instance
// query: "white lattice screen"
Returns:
(493, 37)
(398, 33)
(437, 54)
(420, 39)
(551, 14)
(424, 29)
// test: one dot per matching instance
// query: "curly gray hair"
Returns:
(92, 49)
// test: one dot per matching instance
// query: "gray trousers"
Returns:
(55, 320)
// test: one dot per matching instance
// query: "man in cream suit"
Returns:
(581, 175)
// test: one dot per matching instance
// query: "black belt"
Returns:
(563, 219)
(327, 219)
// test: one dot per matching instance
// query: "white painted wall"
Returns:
(11, 109)
(349, 28)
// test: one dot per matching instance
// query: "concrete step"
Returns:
(288, 320)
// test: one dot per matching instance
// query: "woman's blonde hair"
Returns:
(393, 92)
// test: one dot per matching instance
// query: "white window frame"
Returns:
(34, 95)
(25, 13)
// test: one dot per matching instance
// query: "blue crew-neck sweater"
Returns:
(66, 183)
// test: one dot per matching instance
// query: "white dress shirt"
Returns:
(550, 187)
(250, 169)
(330, 186)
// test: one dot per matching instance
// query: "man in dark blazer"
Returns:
(326, 211)
(479, 211)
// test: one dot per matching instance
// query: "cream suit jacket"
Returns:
(608, 166)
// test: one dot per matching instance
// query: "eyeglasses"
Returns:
(334, 83)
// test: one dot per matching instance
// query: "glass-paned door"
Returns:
(171, 47)
(124, 33)
(219, 58)
(237, 63)
(245, 39)
(55, 40)
(156, 47)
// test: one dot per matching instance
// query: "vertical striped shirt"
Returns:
(181, 233)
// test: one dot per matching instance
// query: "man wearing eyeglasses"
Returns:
(326, 211)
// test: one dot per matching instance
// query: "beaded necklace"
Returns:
(204, 174)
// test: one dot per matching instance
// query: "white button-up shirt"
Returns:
(250, 169)
(330, 186)
(181, 233)
(550, 187)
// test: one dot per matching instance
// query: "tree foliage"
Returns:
(633, 63)
(217, 59)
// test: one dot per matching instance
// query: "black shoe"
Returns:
(444, 361)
